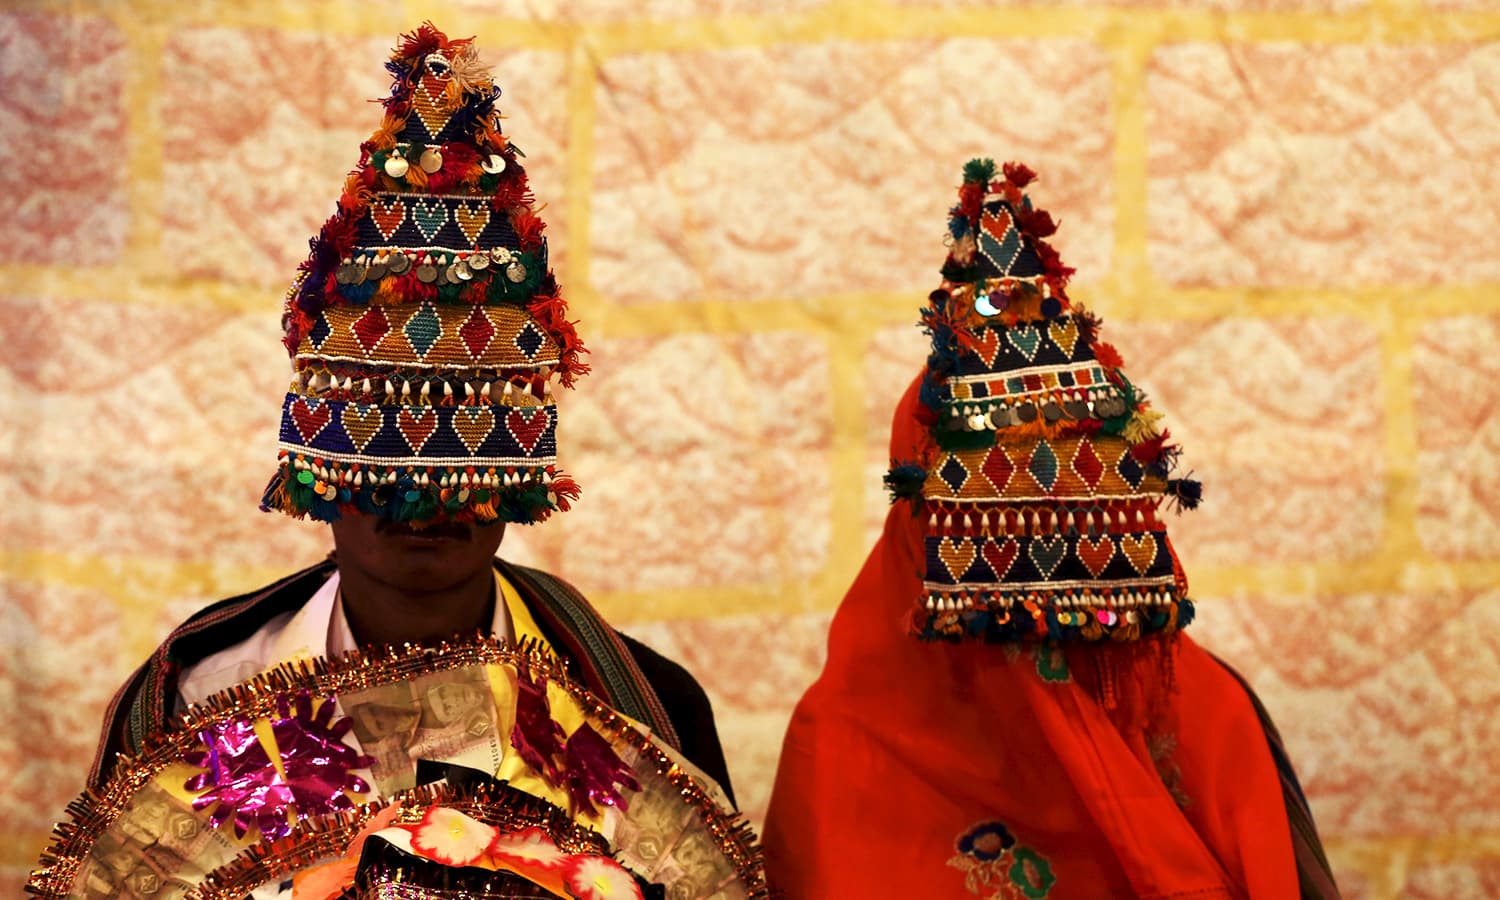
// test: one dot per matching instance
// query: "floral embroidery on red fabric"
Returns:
(997, 868)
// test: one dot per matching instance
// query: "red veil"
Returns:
(929, 769)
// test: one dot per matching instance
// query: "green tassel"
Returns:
(979, 171)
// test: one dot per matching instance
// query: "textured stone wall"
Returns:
(1286, 211)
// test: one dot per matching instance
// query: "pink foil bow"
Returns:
(239, 776)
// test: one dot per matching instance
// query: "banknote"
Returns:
(442, 717)
(158, 848)
(667, 841)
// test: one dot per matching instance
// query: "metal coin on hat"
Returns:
(1051, 411)
(396, 166)
(990, 304)
(427, 273)
(461, 271)
(500, 255)
(1076, 409)
(376, 271)
(515, 272)
(344, 274)
(431, 160)
(398, 263)
(1026, 412)
(479, 261)
(494, 165)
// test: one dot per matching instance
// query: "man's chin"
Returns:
(419, 572)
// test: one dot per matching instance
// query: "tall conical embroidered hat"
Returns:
(1045, 469)
(425, 326)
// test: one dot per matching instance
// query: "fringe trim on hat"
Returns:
(1007, 616)
(324, 490)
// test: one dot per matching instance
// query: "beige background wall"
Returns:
(1286, 210)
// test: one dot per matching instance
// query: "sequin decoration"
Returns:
(249, 788)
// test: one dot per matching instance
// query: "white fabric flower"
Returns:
(451, 838)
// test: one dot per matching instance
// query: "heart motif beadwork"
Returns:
(310, 417)
(528, 427)
(957, 554)
(987, 345)
(1026, 339)
(1095, 553)
(1000, 555)
(1064, 333)
(472, 217)
(473, 426)
(432, 104)
(430, 216)
(1140, 549)
(1047, 553)
(387, 216)
(362, 422)
(417, 427)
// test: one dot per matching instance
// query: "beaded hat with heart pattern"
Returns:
(1043, 468)
(426, 327)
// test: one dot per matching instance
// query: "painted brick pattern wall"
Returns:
(1285, 209)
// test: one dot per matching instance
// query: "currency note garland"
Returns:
(93, 813)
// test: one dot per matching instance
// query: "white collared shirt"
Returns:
(319, 628)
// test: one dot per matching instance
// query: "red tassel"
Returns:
(297, 324)
(459, 160)
(1036, 222)
(550, 311)
(1149, 451)
(512, 193)
(475, 292)
(529, 227)
(971, 201)
(1057, 273)
(1018, 174)
(1108, 356)
(417, 292)
(566, 489)
(421, 42)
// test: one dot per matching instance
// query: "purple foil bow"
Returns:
(595, 773)
(239, 776)
(536, 736)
